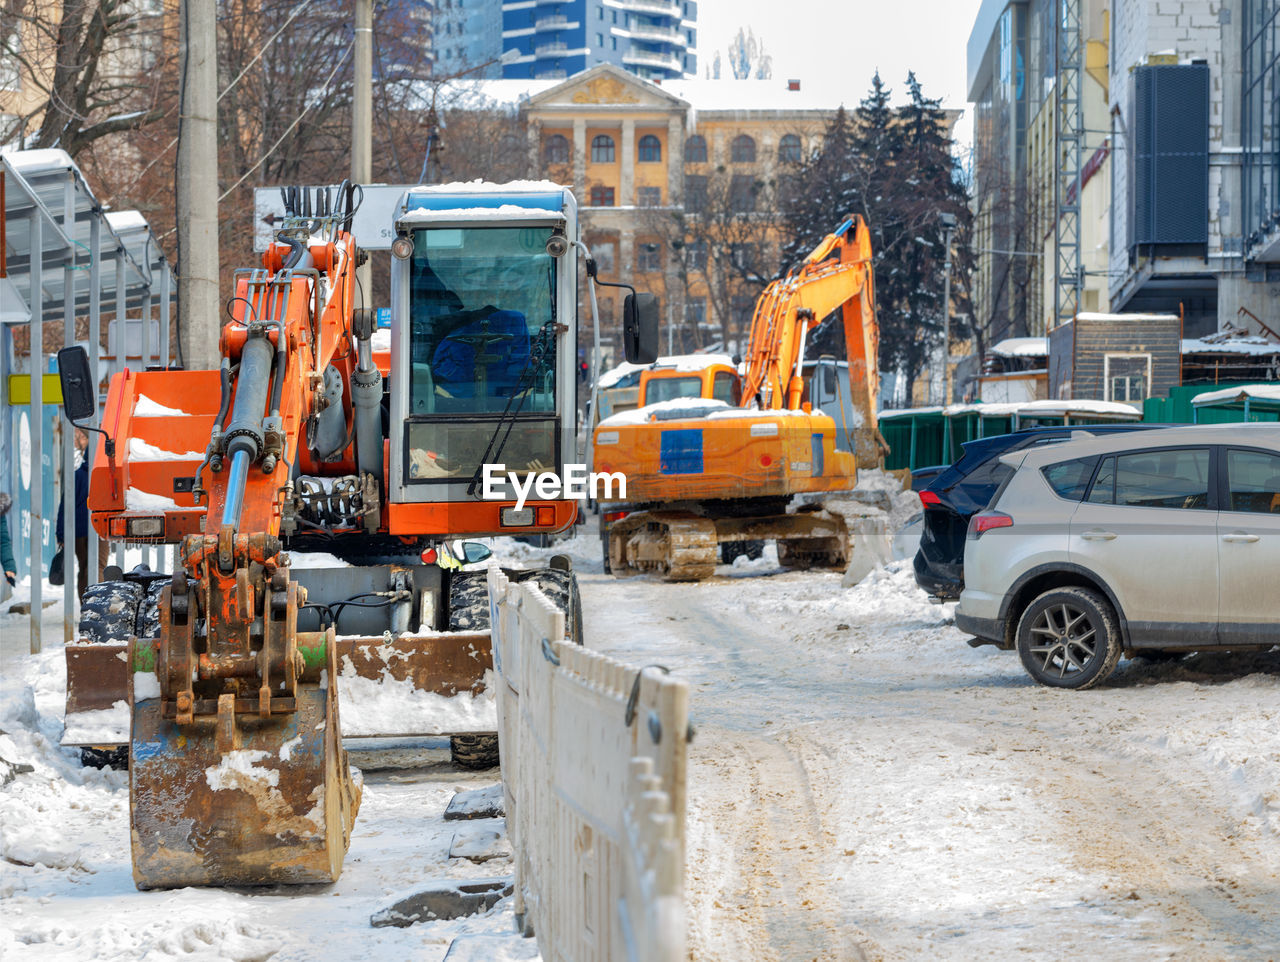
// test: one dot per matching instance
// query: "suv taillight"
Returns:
(930, 499)
(980, 524)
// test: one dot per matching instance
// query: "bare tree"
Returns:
(92, 67)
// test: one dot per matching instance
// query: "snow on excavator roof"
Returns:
(515, 197)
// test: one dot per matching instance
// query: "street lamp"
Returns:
(433, 136)
(948, 222)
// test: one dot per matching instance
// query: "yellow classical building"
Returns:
(678, 185)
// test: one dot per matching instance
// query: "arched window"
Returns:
(789, 149)
(744, 150)
(649, 150)
(556, 150)
(695, 150)
(602, 149)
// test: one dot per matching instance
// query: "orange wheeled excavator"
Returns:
(363, 451)
(702, 473)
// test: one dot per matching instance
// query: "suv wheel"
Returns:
(1069, 638)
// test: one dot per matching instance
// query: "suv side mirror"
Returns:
(473, 551)
(79, 393)
(640, 328)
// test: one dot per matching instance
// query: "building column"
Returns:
(626, 188)
(580, 159)
(675, 161)
(535, 146)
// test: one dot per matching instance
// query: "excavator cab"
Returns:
(482, 356)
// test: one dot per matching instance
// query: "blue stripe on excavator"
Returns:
(680, 451)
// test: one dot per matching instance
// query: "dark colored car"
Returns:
(965, 488)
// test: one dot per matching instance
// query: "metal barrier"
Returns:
(594, 756)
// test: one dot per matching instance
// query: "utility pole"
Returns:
(197, 185)
(949, 223)
(362, 122)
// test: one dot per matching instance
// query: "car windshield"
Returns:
(482, 309)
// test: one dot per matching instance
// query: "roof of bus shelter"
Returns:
(38, 180)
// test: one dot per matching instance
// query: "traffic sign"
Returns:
(372, 225)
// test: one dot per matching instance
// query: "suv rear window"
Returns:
(1070, 479)
(1171, 478)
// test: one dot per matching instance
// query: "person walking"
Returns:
(80, 534)
(6, 543)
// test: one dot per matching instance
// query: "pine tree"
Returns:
(893, 167)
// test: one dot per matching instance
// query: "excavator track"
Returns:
(677, 546)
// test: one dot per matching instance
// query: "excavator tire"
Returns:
(469, 611)
(108, 615)
(148, 621)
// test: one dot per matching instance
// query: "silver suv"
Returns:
(1150, 543)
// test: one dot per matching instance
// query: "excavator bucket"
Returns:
(432, 685)
(235, 799)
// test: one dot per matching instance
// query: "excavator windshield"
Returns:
(482, 307)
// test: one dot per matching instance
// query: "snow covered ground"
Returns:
(66, 886)
(863, 785)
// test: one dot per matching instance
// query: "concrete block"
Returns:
(486, 802)
(450, 899)
(485, 948)
(479, 846)
(872, 548)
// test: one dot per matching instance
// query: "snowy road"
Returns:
(865, 785)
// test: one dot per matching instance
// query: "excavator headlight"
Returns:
(146, 527)
(402, 247)
(557, 245)
(516, 517)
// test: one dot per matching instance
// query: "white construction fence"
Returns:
(594, 755)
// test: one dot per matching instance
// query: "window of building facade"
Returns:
(556, 149)
(695, 150)
(695, 310)
(743, 150)
(1128, 377)
(695, 193)
(648, 257)
(649, 150)
(742, 256)
(599, 40)
(602, 197)
(695, 255)
(602, 149)
(649, 196)
(789, 149)
(742, 193)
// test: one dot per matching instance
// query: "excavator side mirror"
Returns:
(79, 393)
(640, 328)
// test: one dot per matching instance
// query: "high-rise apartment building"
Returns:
(654, 39)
